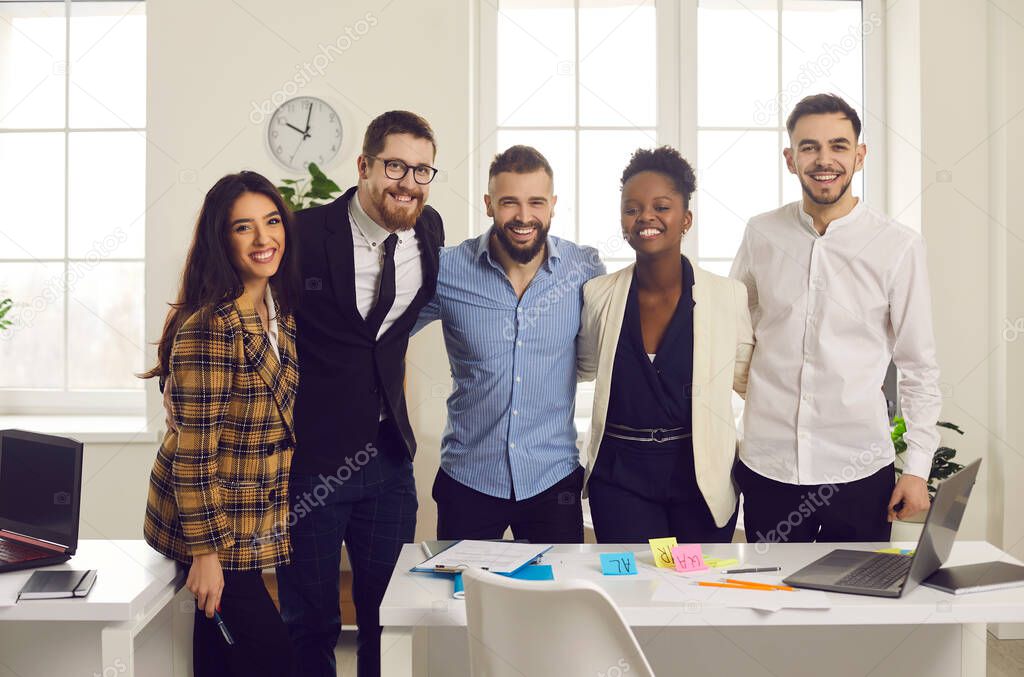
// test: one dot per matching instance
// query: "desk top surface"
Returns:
(415, 599)
(130, 577)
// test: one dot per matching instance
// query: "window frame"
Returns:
(677, 122)
(72, 401)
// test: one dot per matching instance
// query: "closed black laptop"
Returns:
(861, 572)
(40, 497)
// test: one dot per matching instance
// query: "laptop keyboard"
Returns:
(879, 573)
(13, 551)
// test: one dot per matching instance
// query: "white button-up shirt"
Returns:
(368, 255)
(829, 313)
(268, 299)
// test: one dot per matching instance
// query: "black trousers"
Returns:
(553, 516)
(776, 512)
(370, 505)
(262, 647)
(623, 516)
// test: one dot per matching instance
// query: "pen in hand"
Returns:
(223, 628)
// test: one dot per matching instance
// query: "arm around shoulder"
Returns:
(744, 338)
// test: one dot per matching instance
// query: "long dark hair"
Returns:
(209, 278)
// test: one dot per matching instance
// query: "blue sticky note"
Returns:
(534, 572)
(618, 564)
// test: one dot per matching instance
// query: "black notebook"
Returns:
(976, 577)
(58, 584)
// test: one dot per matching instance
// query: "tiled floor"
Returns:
(1005, 658)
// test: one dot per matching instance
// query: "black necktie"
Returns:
(386, 293)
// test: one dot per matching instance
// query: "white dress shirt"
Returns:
(368, 255)
(829, 313)
(268, 299)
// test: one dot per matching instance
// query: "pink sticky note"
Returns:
(688, 558)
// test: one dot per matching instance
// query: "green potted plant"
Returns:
(5, 307)
(943, 464)
(311, 191)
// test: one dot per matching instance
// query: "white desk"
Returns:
(926, 632)
(127, 626)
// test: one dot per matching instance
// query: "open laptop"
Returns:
(40, 497)
(862, 572)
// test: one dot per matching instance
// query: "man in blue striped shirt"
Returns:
(509, 304)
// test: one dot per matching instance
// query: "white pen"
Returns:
(751, 570)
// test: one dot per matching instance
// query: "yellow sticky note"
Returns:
(661, 548)
(889, 551)
(715, 563)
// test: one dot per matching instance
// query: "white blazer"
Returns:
(722, 344)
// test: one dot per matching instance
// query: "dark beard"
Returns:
(810, 193)
(516, 252)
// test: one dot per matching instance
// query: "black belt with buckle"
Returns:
(624, 432)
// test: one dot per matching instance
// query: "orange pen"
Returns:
(734, 586)
(763, 586)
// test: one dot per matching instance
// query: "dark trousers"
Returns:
(776, 512)
(370, 505)
(552, 516)
(622, 516)
(261, 647)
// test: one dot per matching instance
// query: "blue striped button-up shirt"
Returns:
(510, 416)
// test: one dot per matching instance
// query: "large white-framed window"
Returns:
(72, 182)
(588, 81)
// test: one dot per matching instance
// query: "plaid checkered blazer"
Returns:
(220, 483)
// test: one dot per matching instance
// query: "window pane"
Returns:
(536, 53)
(107, 38)
(105, 325)
(822, 50)
(737, 178)
(618, 86)
(102, 221)
(603, 156)
(737, 63)
(32, 65)
(32, 350)
(559, 147)
(32, 193)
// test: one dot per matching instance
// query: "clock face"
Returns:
(303, 130)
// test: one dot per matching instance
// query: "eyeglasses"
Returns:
(396, 170)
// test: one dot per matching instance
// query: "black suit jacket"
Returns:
(344, 370)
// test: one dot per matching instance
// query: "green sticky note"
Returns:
(716, 563)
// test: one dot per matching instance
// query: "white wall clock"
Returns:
(303, 130)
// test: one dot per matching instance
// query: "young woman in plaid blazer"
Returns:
(218, 494)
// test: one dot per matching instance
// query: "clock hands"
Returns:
(300, 131)
(308, 114)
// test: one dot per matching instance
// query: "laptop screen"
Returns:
(40, 486)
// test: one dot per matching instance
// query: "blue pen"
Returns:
(223, 628)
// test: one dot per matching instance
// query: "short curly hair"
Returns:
(666, 161)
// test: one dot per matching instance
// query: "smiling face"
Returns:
(824, 155)
(654, 215)
(395, 205)
(256, 237)
(522, 206)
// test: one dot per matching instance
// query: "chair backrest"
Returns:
(556, 628)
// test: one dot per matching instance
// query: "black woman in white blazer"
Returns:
(668, 343)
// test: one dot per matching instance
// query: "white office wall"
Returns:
(209, 61)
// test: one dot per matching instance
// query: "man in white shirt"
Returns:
(836, 292)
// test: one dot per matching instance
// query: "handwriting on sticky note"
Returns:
(716, 563)
(688, 558)
(661, 548)
(618, 564)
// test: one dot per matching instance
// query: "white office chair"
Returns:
(541, 629)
